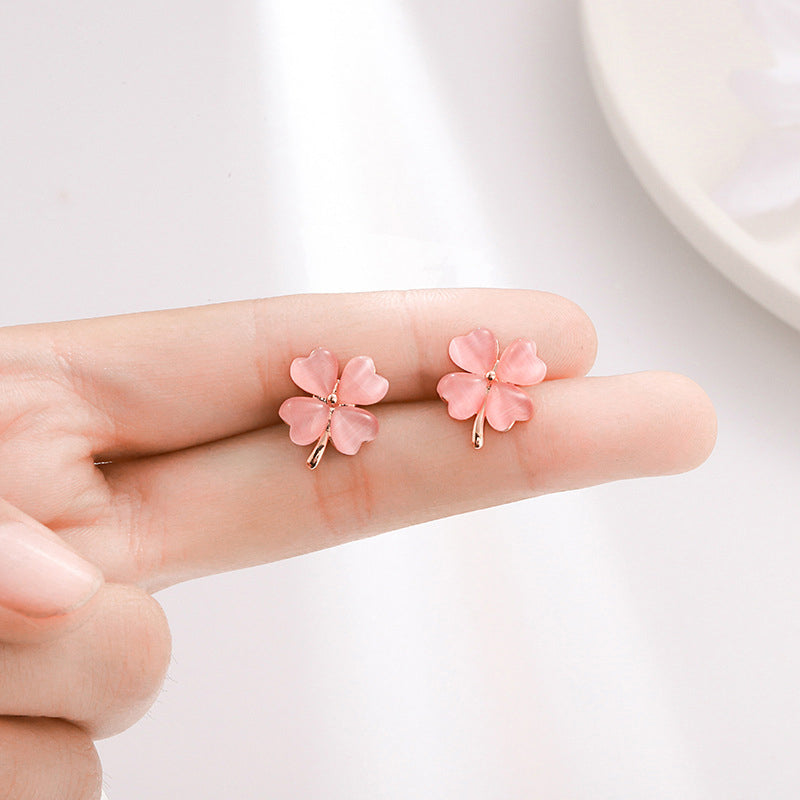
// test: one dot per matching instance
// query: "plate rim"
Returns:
(718, 238)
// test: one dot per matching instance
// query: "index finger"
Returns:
(166, 380)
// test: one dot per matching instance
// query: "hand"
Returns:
(150, 445)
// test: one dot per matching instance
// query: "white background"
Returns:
(637, 640)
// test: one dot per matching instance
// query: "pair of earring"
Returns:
(487, 389)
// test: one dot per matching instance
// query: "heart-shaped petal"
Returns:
(360, 384)
(306, 417)
(351, 427)
(519, 364)
(317, 373)
(463, 392)
(476, 352)
(505, 405)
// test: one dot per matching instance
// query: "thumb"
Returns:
(44, 584)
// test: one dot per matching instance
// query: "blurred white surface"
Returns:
(635, 640)
(682, 84)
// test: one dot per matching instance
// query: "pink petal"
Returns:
(506, 405)
(351, 427)
(463, 392)
(360, 384)
(519, 364)
(317, 373)
(306, 417)
(476, 352)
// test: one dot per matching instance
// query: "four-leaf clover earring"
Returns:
(331, 412)
(488, 390)
(489, 387)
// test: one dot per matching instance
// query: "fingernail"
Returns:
(40, 576)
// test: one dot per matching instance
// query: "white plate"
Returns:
(663, 71)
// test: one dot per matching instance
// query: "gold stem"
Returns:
(477, 428)
(319, 448)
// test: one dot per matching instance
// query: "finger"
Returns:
(171, 379)
(44, 584)
(250, 499)
(47, 758)
(102, 676)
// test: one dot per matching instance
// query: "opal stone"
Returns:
(463, 392)
(316, 373)
(306, 417)
(520, 365)
(351, 427)
(505, 405)
(476, 352)
(359, 384)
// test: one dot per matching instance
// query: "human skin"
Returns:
(149, 445)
